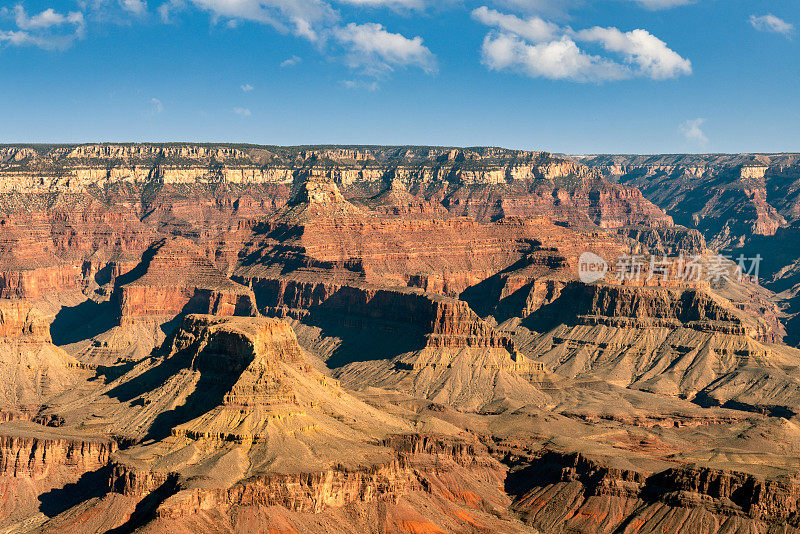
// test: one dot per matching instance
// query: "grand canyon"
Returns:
(209, 338)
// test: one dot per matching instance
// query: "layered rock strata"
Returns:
(173, 278)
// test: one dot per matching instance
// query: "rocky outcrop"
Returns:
(42, 468)
(27, 450)
(606, 498)
(668, 241)
(59, 245)
(445, 322)
(27, 271)
(248, 385)
(651, 303)
(306, 492)
(32, 369)
(275, 402)
(727, 197)
(19, 319)
(173, 278)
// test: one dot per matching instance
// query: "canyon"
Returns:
(242, 338)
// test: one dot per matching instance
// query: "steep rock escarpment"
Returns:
(483, 183)
(669, 341)
(36, 462)
(19, 319)
(57, 244)
(174, 277)
(729, 198)
(32, 369)
(32, 451)
(569, 492)
(444, 321)
(667, 241)
(321, 230)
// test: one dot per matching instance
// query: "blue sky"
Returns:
(575, 76)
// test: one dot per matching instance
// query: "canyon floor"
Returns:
(239, 338)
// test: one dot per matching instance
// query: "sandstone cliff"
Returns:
(175, 277)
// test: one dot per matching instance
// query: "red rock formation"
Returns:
(20, 320)
(446, 322)
(25, 452)
(28, 266)
(176, 278)
(605, 498)
(727, 197)
(436, 284)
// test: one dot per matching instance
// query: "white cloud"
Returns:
(137, 7)
(692, 130)
(303, 18)
(244, 112)
(368, 85)
(771, 23)
(562, 8)
(291, 62)
(167, 9)
(375, 51)
(663, 4)
(369, 48)
(156, 106)
(18, 38)
(49, 29)
(649, 54)
(543, 49)
(533, 29)
(246, 87)
(46, 19)
(405, 4)
(555, 60)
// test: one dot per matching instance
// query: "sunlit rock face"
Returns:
(175, 277)
(230, 338)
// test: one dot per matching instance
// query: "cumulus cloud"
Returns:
(368, 48)
(649, 55)
(46, 19)
(771, 23)
(533, 29)
(692, 130)
(48, 29)
(246, 87)
(376, 51)
(137, 7)
(540, 48)
(242, 112)
(291, 62)
(556, 60)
